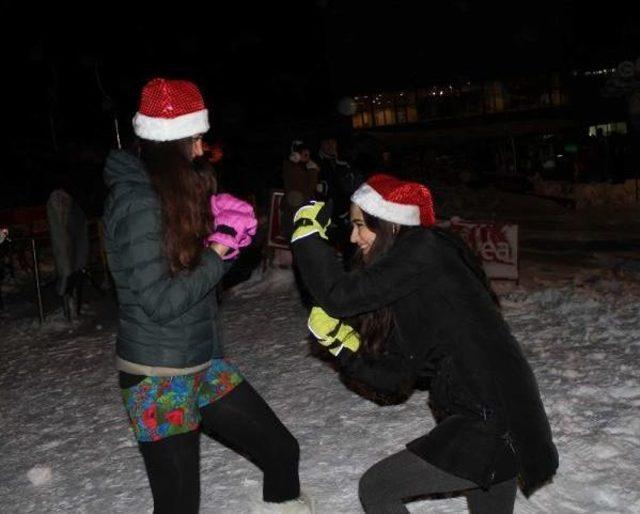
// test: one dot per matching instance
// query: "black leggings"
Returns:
(241, 420)
(405, 476)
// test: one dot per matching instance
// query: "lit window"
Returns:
(608, 129)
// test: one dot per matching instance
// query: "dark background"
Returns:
(267, 69)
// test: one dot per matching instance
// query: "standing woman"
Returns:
(422, 311)
(172, 373)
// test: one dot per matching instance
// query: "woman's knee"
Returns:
(500, 499)
(371, 485)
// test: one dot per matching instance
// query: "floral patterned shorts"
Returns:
(160, 407)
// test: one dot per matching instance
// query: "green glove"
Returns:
(332, 333)
(309, 219)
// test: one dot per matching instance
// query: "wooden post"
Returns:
(36, 274)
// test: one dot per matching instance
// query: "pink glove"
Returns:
(234, 223)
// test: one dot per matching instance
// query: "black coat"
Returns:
(492, 423)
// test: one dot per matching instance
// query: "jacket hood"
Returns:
(122, 166)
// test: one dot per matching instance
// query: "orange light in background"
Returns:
(215, 151)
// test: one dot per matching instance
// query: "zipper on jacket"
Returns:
(509, 441)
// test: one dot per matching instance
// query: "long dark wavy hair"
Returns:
(184, 191)
(375, 327)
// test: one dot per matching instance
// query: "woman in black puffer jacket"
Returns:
(422, 311)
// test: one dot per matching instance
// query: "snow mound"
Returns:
(39, 475)
(261, 281)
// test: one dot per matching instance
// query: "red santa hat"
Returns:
(395, 200)
(170, 110)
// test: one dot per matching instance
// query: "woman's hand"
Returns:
(332, 333)
(312, 218)
(235, 224)
(219, 248)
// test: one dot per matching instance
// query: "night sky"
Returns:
(280, 59)
(265, 68)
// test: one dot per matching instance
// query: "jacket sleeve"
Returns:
(163, 297)
(344, 294)
(387, 374)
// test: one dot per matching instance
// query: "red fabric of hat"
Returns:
(170, 110)
(398, 201)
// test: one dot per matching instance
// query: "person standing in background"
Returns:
(300, 177)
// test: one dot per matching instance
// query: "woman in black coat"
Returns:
(422, 311)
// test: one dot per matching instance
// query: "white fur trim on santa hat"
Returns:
(170, 129)
(372, 202)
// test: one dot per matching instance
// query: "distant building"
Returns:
(459, 99)
(590, 98)
(544, 124)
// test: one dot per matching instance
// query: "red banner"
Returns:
(496, 244)
(275, 239)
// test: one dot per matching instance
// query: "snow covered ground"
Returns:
(60, 409)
